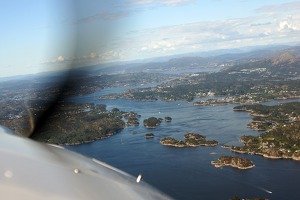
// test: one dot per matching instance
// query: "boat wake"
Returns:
(265, 190)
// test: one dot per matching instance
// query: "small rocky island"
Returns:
(149, 135)
(168, 119)
(152, 122)
(191, 140)
(233, 161)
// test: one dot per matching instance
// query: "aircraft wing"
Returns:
(32, 170)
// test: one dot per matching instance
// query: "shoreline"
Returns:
(88, 141)
(187, 145)
(191, 140)
(218, 165)
(263, 155)
(233, 161)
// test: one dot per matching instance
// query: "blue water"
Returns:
(186, 173)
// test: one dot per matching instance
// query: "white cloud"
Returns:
(140, 2)
(204, 36)
(162, 45)
(288, 25)
(60, 59)
(159, 2)
(93, 55)
(261, 29)
(285, 7)
(176, 2)
(111, 55)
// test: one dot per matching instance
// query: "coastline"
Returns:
(262, 154)
(218, 165)
(89, 141)
(189, 145)
(233, 161)
(191, 140)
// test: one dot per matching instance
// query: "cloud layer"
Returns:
(291, 6)
(127, 8)
(272, 24)
(159, 2)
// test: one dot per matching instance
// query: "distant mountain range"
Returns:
(287, 57)
(219, 58)
(285, 65)
(200, 60)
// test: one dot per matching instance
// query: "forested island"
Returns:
(69, 123)
(152, 122)
(81, 123)
(191, 140)
(281, 124)
(233, 161)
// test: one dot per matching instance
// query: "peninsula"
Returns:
(69, 124)
(281, 138)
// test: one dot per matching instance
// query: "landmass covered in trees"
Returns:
(250, 82)
(190, 140)
(233, 161)
(281, 136)
(152, 122)
(69, 123)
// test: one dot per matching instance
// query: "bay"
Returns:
(186, 173)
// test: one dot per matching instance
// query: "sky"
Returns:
(49, 35)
